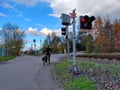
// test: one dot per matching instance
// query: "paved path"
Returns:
(28, 73)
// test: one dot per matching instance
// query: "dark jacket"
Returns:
(48, 50)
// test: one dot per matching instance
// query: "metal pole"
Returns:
(74, 43)
(68, 46)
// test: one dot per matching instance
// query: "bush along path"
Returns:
(100, 74)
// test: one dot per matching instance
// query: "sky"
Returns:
(40, 17)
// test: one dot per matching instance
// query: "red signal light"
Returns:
(83, 20)
(86, 22)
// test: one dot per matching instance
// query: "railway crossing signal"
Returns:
(63, 31)
(65, 19)
(86, 22)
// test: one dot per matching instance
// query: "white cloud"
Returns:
(33, 31)
(27, 2)
(42, 32)
(12, 8)
(6, 5)
(89, 7)
(39, 25)
(3, 15)
(47, 31)
(20, 15)
(27, 19)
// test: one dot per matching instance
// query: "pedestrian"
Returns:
(48, 52)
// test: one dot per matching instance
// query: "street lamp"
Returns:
(34, 40)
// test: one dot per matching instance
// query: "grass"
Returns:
(80, 84)
(113, 69)
(62, 70)
(113, 53)
(6, 58)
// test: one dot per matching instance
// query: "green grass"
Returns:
(6, 58)
(80, 84)
(62, 70)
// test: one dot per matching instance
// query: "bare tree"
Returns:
(13, 38)
(53, 41)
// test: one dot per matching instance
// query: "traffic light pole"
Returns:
(68, 46)
(73, 15)
(74, 69)
(74, 43)
(66, 21)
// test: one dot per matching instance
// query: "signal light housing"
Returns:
(86, 22)
(65, 19)
(63, 31)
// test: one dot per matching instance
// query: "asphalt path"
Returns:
(28, 73)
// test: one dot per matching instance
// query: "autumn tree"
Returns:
(116, 35)
(53, 41)
(13, 38)
(46, 43)
(61, 46)
(81, 42)
(108, 37)
(104, 41)
(98, 26)
(88, 43)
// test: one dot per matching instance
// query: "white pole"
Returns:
(74, 43)
(68, 46)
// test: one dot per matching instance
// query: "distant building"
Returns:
(2, 52)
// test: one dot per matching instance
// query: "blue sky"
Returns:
(32, 19)
(40, 17)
